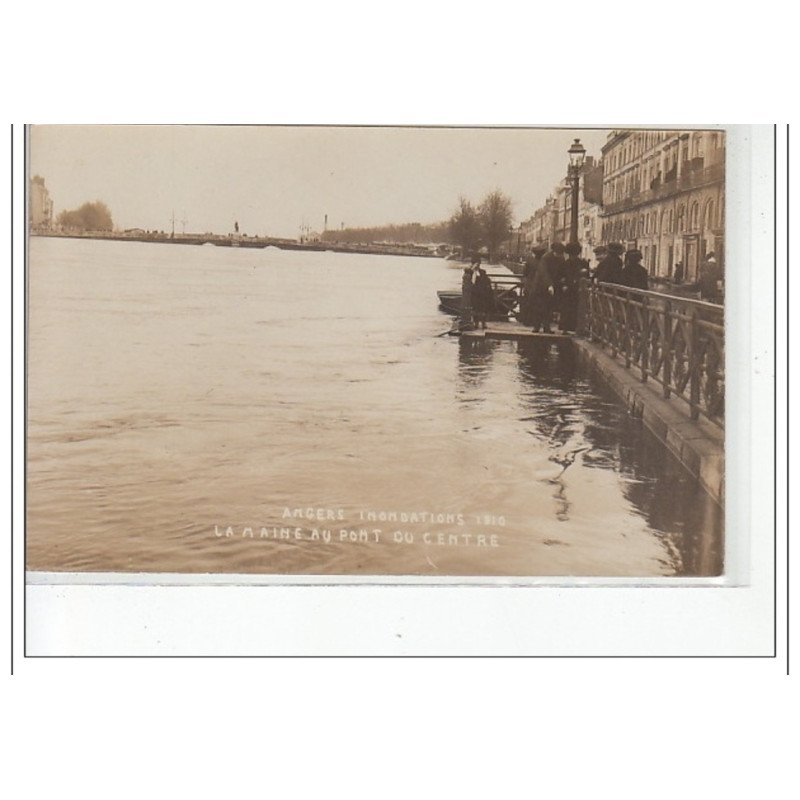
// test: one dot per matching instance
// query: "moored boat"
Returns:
(506, 297)
(450, 302)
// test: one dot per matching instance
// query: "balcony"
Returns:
(691, 179)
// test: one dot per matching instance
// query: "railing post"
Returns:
(645, 337)
(583, 304)
(666, 347)
(626, 306)
(613, 327)
(694, 367)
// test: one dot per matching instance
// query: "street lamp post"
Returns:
(576, 155)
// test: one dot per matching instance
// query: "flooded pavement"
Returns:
(206, 409)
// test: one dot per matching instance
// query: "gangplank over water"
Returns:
(376, 351)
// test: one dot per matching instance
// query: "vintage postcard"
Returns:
(420, 352)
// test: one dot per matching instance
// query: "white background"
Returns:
(392, 728)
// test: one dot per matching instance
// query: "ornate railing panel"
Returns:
(675, 342)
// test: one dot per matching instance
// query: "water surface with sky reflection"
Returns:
(205, 409)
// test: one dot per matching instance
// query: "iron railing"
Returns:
(678, 343)
(507, 293)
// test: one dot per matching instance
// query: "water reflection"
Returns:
(672, 502)
(562, 503)
(584, 424)
(221, 395)
(474, 359)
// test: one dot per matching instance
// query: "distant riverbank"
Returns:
(242, 240)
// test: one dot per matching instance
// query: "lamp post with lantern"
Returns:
(577, 154)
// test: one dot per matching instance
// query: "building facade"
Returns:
(41, 206)
(664, 193)
(551, 223)
(541, 227)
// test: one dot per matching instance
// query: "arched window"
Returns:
(694, 215)
(708, 216)
(679, 222)
(721, 213)
(670, 221)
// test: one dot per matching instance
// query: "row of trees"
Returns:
(89, 217)
(487, 225)
(470, 228)
(411, 232)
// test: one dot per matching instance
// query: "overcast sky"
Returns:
(273, 179)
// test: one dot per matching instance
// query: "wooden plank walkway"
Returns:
(513, 330)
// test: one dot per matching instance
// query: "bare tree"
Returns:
(465, 227)
(495, 218)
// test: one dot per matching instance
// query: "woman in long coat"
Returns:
(482, 298)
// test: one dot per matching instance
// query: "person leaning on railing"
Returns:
(600, 252)
(609, 270)
(710, 279)
(633, 273)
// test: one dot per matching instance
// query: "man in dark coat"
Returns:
(609, 270)
(555, 260)
(710, 279)
(600, 252)
(633, 273)
(572, 270)
(526, 301)
(539, 291)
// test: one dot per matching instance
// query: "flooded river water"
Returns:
(209, 409)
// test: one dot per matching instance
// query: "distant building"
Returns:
(540, 229)
(551, 222)
(41, 206)
(664, 193)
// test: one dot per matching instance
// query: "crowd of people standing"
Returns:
(551, 278)
(551, 281)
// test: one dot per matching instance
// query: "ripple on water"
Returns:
(220, 395)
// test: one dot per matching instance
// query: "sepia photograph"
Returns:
(406, 352)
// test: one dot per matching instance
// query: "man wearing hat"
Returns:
(568, 287)
(710, 279)
(609, 270)
(526, 306)
(539, 290)
(633, 273)
(600, 252)
(555, 259)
